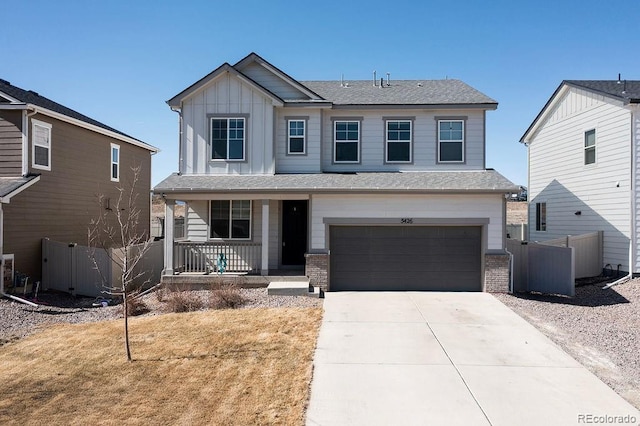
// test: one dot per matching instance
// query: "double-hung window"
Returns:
(230, 219)
(228, 138)
(41, 145)
(296, 137)
(450, 141)
(541, 216)
(590, 147)
(347, 142)
(398, 141)
(115, 162)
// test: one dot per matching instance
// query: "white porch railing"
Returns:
(202, 256)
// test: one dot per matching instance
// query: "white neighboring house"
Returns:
(364, 185)
(583, 167)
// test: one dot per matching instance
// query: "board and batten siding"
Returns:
(600, 191)
(372, 140)
(402, 206)
(272, 82)
(298, 163)
(197, 225)
(226, 96)
(10, 143)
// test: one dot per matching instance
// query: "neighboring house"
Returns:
(583, 167)
(377, 184)
(54, 162)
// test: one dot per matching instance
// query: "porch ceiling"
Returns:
(480, 181)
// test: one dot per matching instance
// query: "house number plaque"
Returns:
(406, 220)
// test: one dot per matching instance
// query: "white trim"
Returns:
(93, 128)
(37, 123)
(387, 141)
(591, 147)
(10, 99)
(7, 198)
(244, 138)
(112, 163)
(304, 136)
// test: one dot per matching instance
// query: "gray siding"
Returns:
(61, 205)
(10, 143)
(600, 191)
(310, 161)
(226, 96)
(635, 125)
(272, 82)
(372, 143)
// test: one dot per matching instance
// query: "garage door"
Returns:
(382, 258)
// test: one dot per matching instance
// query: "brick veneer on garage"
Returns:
(317, 269)
(496, 273)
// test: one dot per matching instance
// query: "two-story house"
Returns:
(53, 163)
(583, 167)
(370, 185)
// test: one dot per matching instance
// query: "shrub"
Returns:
(227, 297)
(183, 301)
(135, 306)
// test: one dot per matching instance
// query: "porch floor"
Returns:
(206, 281)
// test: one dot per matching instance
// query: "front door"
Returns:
(294, 231)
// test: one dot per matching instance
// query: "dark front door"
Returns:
(294, 231)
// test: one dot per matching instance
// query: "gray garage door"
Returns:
(381, 258)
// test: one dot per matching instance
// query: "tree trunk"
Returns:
(126, 326)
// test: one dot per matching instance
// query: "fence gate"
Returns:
(69, 268)
(542, 268)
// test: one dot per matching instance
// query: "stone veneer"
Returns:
(317, 269)
(496, 272)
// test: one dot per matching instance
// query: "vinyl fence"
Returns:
(588, 252)
(519, 231)
(69, 268)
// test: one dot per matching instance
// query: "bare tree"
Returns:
(116, 229)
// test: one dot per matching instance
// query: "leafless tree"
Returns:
(116, 229)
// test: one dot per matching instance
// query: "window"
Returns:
(590, 147)
(231, 219)
(451, 141)
(541, 216)
(41, 145)
(398, 141)
(347, 142)
(227, 138)
(115, 162)
(296, 144)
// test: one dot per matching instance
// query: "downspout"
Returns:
(510, 270)
(632, 208)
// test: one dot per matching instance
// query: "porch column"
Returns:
(168, 237)
(264, 268)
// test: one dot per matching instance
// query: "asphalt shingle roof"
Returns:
(31, 97)
(10, 184)
(628, 90)
(399, 92)
(425, 182)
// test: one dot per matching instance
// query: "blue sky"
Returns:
(119, 61)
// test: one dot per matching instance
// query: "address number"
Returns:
(406, 220)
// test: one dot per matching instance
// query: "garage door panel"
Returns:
(443, 258)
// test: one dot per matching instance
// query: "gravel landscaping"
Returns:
(18, 320)
(599, 328)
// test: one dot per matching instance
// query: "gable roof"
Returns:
(404, 93)
(401, 92)
(627, 91)
(46, 106)
(473, 181)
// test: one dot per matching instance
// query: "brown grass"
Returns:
(216, 367)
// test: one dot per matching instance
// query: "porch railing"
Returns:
(202, 256)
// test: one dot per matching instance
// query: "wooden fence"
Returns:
(69, 268)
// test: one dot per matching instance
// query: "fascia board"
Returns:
(542, 115)
(7, 198)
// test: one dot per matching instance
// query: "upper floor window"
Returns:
(347, 142)
(230, 219)
(41, 145)
(296, 137)
(451, 141)
(398, 141)
(590, 147)
(541, 216)
(115, 162)
(228, 138)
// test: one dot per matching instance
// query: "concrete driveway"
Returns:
(388, 358)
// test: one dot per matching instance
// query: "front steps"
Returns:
(292, 288)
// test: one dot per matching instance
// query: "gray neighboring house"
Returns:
(584, 149)
(53, 162)
(359, 185)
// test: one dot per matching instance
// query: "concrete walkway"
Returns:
(446, 359)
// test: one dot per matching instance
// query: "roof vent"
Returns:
(5, 82)
(381, 82)
(420, 84)
(619, 78)
(388, 79)
(374, 79)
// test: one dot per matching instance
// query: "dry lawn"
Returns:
(216, 367)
